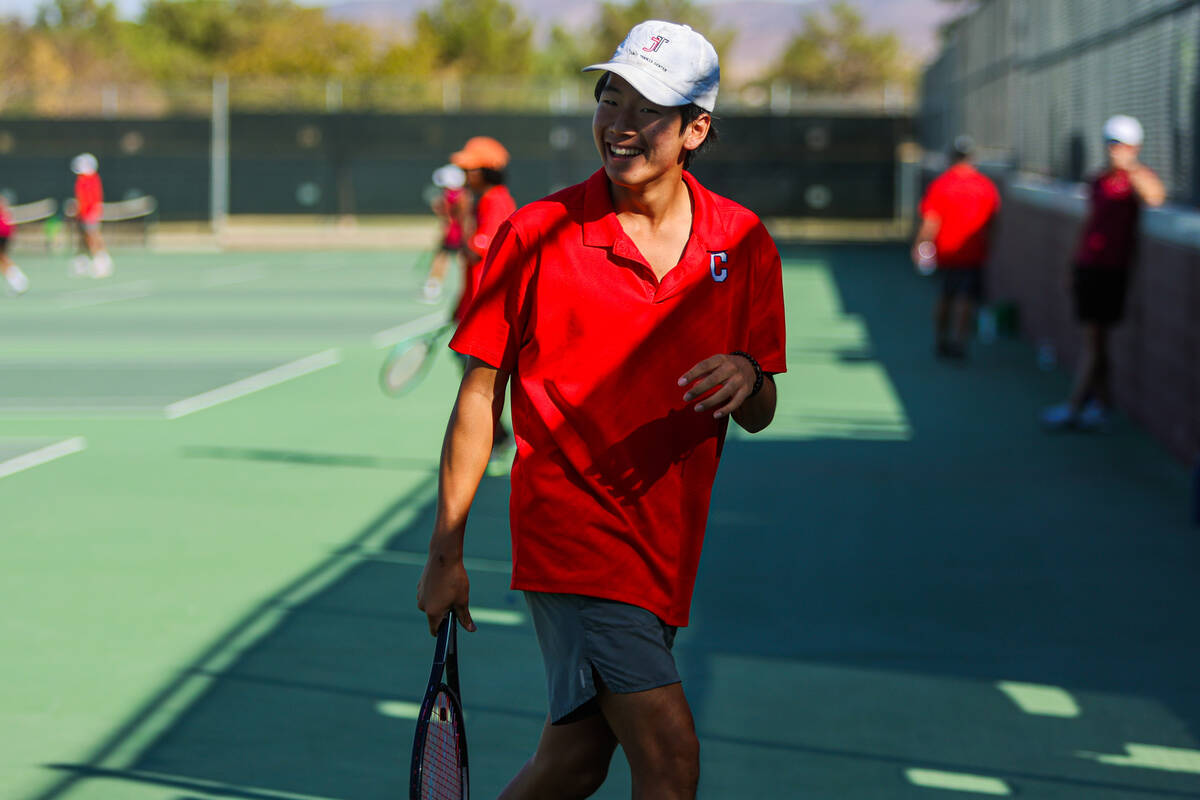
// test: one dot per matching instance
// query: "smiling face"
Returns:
(639, 141)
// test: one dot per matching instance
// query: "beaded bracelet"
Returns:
(758, 373)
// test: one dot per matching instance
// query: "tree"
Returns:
(477, 37)
(839, 55)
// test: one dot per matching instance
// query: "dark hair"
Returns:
(687, 115)
(962, 148)
(494, 177)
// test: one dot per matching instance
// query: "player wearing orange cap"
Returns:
(484, 160)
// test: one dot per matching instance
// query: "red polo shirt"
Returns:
(89, 195)
(614, 472)
(965, 201)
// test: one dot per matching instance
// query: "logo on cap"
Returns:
(655, 43)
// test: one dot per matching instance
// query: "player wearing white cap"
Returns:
(1100, 274)
(89, 209)
(620, 307)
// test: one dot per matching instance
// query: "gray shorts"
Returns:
(583, 638)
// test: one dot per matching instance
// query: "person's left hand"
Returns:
(734, 376)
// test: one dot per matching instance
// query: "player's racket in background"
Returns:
(410, 360)
(439, 761)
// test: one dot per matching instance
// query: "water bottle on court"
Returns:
(926, 258)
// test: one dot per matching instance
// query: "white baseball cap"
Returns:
(669, 64)
(449, 177)
(1123, 129)
(84, 164)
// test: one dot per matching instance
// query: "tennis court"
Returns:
(213, 522)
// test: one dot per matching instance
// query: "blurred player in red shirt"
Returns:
(451, 206)
(484, 160)
(956, 222)
(13, 276)
(636, 314)
(89, 209)
(1099, 278)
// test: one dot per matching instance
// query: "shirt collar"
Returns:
(601, 228)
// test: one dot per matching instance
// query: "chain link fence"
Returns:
(1034, 80)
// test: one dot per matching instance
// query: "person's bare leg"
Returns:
(656, 731)
(964, 319)
(1086, 373)
(441, 263)
(1101, 389)
(571, 761)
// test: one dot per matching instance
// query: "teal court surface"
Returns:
(212, 522)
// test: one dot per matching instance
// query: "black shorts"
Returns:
(3, 245)
(1100, 294)
(967, 282)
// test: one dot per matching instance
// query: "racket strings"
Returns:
(441, 759)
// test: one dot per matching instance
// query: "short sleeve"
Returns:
(767, 321)
(494, 325)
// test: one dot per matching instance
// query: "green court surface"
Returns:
(212, 522)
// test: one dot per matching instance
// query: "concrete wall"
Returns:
(1156, 350)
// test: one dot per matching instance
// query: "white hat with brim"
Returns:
(84, 164)
(668, 64)
(1125, 130)
(449, 177)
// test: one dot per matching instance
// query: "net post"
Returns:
(219, 185)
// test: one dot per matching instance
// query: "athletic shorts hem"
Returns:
(584, 639)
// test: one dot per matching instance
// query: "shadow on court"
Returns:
(860, 600)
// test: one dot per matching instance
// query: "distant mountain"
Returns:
(763, 26)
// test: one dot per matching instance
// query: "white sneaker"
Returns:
(102, 265)
(17, 281)
(81, 265)
(1058, 417)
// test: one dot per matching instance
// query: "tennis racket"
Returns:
(439, 761)
(410, 360)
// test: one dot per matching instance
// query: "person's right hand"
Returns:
(444, 586)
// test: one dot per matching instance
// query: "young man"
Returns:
(956, 222)
(1099, 279)
(89, 209)
(635, 313)
(16, 280)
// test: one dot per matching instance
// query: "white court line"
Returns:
(231, 276)
(41, 456)
(412, 328)
(254, 383)
(398, 709)
(1149, 756)
(105, 294)
(497, 616)
(957, 781)
(1045, 701)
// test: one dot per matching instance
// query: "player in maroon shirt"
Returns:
(1099, 279)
